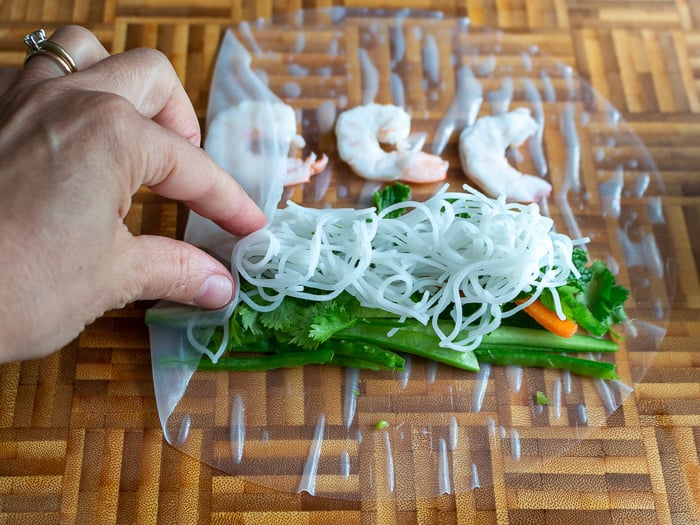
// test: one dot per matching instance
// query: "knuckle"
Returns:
(182, 274)
(113, 113)
(111, 121)
(170, 277)
(77, 31)
(110, 104)
(152, 58)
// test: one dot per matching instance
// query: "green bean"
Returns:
(352, 362)
(576, 365)
(264, 362)
(386, 359)
(417, 342)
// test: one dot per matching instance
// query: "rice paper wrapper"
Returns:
(247, 138)
(314, 429)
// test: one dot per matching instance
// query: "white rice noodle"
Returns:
(460, 254)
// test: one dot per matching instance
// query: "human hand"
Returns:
(74, 151)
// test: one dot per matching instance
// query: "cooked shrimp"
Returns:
(361, 130)
(482, 152)
(252, 133)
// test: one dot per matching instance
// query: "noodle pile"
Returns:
(457, 255)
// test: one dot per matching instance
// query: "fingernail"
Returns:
(215, 292)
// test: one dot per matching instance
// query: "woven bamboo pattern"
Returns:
(80, 438)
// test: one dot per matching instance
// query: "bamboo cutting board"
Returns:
(80, 439)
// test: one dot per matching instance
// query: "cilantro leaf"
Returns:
(246, 319)
(291, 321)
(392, 194)
(332, 320)
(594, 300)
(283, 318)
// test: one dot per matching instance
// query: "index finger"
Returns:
(175, 168)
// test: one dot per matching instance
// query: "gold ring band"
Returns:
(38, 44)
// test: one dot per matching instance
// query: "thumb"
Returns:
(177, 271)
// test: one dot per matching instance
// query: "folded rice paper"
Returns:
(247, 138)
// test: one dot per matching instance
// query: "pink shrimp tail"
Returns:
(300, 171)
(424, 168)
